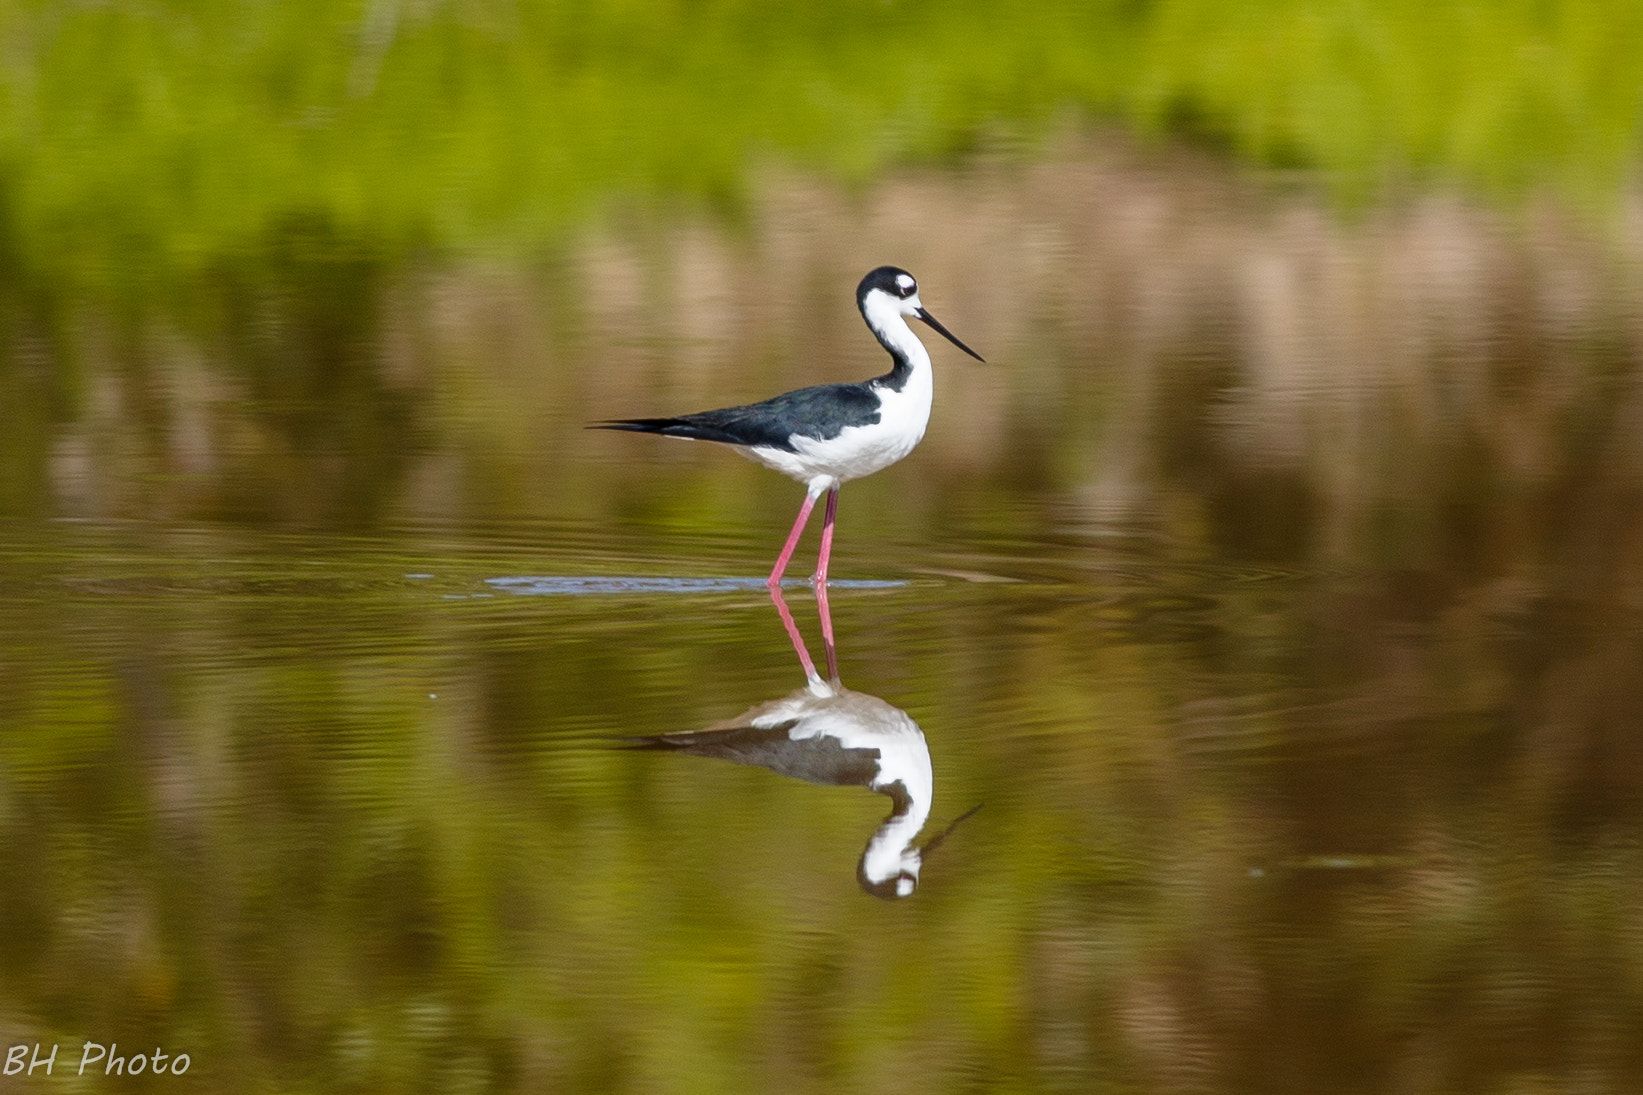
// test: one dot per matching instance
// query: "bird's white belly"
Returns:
(856, 450)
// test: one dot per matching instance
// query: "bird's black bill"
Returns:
(948, 335)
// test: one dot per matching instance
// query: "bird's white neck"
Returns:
(888, 324)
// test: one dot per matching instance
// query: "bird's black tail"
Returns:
(672, 427)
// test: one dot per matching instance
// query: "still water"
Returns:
(1253, 658)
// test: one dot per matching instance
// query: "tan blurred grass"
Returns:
(1157, 321)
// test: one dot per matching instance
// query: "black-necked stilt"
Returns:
(828, 434)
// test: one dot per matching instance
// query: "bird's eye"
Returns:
(906, 286)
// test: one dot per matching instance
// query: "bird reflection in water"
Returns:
(826, 733)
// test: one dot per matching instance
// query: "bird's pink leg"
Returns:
(782, 560)
(821, 584)
(826, 538)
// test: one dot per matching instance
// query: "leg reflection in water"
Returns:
(826, 733)
(797, 638)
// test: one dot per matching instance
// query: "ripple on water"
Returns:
(588, 585)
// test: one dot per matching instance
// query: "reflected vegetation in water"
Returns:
(319, 813)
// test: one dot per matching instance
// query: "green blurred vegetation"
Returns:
(140, 140)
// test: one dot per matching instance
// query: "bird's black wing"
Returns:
(821, 412)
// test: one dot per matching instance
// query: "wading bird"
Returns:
(828, 434)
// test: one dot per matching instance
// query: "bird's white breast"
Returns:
(859, 450)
